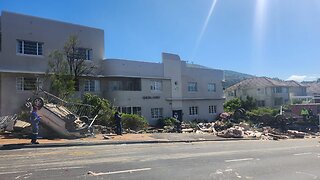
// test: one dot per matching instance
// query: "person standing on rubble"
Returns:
(34, 120)
(117, 117)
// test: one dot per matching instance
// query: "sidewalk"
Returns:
(13, 143)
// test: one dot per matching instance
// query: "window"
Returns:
(212, 109)
(125, 84)
(0, 41)
(126, 110)
(85, 54)
(156, 113)
(136, 110)
(278, 101)
(212, 87)
(28, 84)
(193, 110)
(192, 87)
(129, 110)
(156, 85)
(260, 103)
(260, 91)
(91, 85)
(280, 90)
(29, 47)
(230, 93)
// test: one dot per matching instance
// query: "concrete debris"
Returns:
(7, 123)
(233, 132)
(226, 129)
(296, 134)
(19, 125)
(106, 137)
(189, 130)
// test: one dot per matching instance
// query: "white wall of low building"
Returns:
(173, 72)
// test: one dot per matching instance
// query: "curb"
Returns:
(73, 144)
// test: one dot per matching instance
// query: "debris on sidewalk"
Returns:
(296, 134)
(7, 122)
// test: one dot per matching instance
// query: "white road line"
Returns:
(301, 154)
(237, 160)
(118, 172)
(12, 172)
(59, 168)
(308, 174)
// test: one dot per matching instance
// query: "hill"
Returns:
(233, 77)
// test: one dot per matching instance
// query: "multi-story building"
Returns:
(153, 90)
(267, 92)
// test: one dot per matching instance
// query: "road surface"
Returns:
(288, 159)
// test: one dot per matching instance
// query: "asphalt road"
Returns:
(289, 159)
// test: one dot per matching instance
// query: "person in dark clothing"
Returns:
(117, 117)
(34, 120)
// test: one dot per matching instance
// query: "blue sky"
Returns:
(275, 38)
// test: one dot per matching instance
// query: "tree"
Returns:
(237, 103)
(62, 83)
(232, 105)
(76, 58)
(67, 66)
(249, 103)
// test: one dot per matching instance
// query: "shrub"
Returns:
(170, 121)
(134, 122)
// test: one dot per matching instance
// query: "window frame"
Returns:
(213, 109)
(20, 49)
(193, 111)
(192, 86)
(21, 84)
(156, 86)
(212, 87)
(156, 113)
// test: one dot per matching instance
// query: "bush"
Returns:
(170, 121)
(134, 122)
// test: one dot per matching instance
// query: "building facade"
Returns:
(266, 92)
(153, 90)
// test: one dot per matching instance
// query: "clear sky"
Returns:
(275, 38)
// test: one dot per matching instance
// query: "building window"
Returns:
(28, 84)
(193, 110)
(129, 110)
(212, 87)
(136, 110)
(156, 86)
(156, 113)
(212, 109)
(85, 53)
(260, 103)
(280, 90)
(91, 85)
(125, 84)
(192, 87)
(278, 101)
(230, 93)
(260, 91)
(29, 47)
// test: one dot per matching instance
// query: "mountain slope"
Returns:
(233, 77)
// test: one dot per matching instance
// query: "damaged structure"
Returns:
(153, 90)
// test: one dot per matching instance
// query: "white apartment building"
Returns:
(153, 90)
(266, 92)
